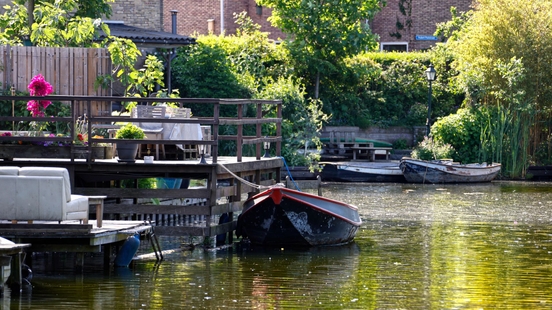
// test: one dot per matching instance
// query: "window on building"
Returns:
(394, 46)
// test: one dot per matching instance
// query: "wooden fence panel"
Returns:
(71, 71)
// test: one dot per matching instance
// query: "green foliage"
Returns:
(14, 24)
(452, 28)
(430, 149)
(323, 33)
(124, 54)
(325, 30)
(145, 80)
(142, 82)
(94, 8)
(55, 23)
(400, 144)
(462, 131)
(202, 71)
(302, 119)
(57, 109)
(507, 127)
(228, 66)
(73, 23)
(138, 82)
(479, 49)
(542, 154)
(130, 132)
(388, 89)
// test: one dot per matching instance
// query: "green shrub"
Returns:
(400, 144)
(130, 132)
(429, 149)
(462, 131)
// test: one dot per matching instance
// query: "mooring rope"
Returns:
(244, 181)
(289, 173)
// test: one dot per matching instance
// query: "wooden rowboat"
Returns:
(285, 217)
(445, 171)
(362, 172)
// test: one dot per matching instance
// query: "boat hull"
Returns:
(350, 173)
(284, 217)
(436, 172)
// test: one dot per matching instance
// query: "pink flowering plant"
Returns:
(39, 87)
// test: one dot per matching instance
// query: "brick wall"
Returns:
(138, 13)
(193, 15)
(425, 15)
(274, 33)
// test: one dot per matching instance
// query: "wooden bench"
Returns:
(370, 151)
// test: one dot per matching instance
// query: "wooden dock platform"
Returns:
(71, 236)
(222, 192)
(67, 236)
(225, 181)
(10, 264)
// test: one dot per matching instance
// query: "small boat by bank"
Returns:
(362, 172)
(299, 173)
(280, 216)
(446, 171)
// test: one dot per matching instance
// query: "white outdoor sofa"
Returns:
(39, 194)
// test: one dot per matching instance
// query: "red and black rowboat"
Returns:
(285, 217)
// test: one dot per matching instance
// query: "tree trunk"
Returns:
(30, 11)
(317, 85)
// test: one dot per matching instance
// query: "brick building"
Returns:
(192, 16)
(402, 24)
(413, 29)
(408, 29)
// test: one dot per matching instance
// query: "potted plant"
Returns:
(127, 151)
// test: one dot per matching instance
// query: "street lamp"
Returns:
(267, 149)
(430, 75)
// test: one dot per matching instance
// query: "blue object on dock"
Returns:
(169, 183)
(127, 251)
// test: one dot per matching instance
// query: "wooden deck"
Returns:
(221, 176)
(67, 236)
(10, 262)
(71, 236)
(221, 194)
(129, 209)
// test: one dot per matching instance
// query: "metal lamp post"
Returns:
(430, 75)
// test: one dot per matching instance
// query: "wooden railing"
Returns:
(215, 121)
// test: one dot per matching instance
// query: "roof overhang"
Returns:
(144, 38)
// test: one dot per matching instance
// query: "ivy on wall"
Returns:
(405, 8)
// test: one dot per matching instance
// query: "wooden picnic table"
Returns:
(370, 151)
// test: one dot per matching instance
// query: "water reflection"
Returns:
(420, 247)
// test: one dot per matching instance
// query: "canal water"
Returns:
(481, 246)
